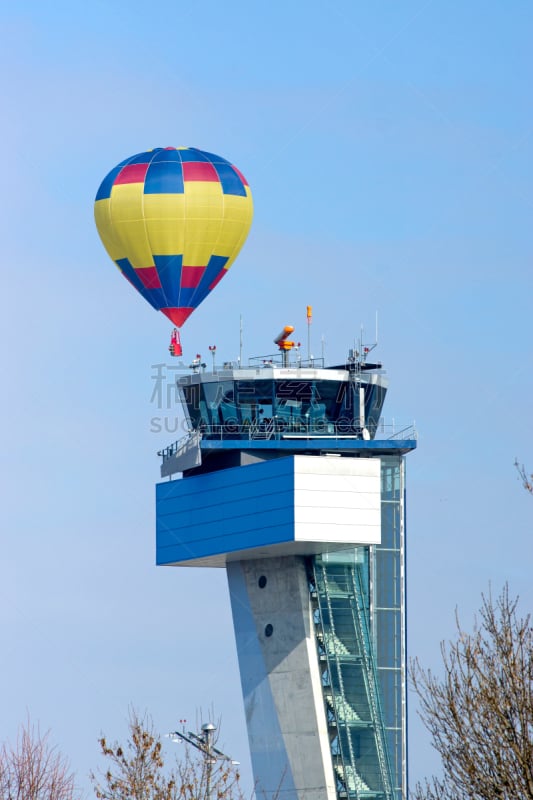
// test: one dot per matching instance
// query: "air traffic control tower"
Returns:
(290, 483)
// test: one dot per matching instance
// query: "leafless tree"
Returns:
(137, 771)
(480, 713)
(34, 769)
(527, 480)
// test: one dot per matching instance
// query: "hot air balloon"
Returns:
(173, 220)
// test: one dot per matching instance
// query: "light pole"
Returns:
(204, 743)
(208, 730)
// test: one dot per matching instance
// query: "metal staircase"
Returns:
(354, 783)
(353, 707)
(371, 675)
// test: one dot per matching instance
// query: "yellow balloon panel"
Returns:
(132, 236)
(204, 191)
(105, 229)
(229, 238)
(165, 206)
(127, 202)
(238, 208)
(165, 236)
(197, 255)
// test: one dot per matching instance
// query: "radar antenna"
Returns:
(284, 344)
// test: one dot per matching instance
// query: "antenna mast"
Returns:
(309, 321)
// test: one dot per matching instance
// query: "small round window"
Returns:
(262, 581)
(269, 630)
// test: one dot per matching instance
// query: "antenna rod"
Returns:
(240, 340)
(309, 320)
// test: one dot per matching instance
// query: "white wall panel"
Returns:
(337, 499)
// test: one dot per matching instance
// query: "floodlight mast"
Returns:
(204, 743)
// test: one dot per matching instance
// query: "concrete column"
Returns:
(280, 678)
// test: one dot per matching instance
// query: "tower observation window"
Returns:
(316, 406)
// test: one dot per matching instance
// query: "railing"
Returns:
(178, 445)
(277, 429)
(284, 360)
(391, 430)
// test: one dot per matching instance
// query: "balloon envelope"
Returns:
(173, 220)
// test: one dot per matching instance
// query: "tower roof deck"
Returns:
(279, 409)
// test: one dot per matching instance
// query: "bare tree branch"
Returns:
(480, 713)
(527, 480)
(34, 769)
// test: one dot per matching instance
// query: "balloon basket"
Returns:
(175, 349)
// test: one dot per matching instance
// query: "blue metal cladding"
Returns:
(226, 511)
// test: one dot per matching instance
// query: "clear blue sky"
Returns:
(389, 150)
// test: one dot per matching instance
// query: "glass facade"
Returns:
(359, 620)
(235, 407)
(388, 613)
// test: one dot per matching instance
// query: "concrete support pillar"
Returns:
(280, 677)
